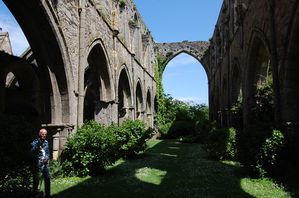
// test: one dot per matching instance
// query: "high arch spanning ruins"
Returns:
(196, 49)
(95, 59)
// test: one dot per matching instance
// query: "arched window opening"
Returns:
(185, 79)
(98, 86)
(124, 97)
(148, 108)
(89, 105)
(259, 102)
(264, 72)
(236, 94)
(139, 102)
(21, 94)
(50, 67)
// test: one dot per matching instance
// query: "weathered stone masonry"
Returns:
(94, 59)
(248, 36)
(89, 60)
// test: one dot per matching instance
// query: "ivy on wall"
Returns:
(160, 65)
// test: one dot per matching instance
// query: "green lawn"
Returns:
(169, 169)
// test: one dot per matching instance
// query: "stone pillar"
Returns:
(149, 120)
(55, 152)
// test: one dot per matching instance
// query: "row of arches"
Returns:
(51, 63)
(102, 92)
(239, 84)
(25, 91)
(44, 85)
(270, 57)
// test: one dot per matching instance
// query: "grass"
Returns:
(169, 169)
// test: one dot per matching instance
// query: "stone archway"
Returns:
(139, 111)
(98, 86)
(148, 109)
(258, 72)
(124, 97)
(236, 87)
(236, 98)
(47, 45)
(196, 49)
(20, 89)
(89, 105)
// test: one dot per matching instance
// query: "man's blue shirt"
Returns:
(37, 145)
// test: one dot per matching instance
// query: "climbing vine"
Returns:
(160, 65)
(122, 4)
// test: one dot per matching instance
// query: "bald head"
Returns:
(42, 134)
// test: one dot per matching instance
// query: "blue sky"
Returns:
(178, 20)
(169, 21)
(9, 24)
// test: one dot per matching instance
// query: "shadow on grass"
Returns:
(168, 169)
(289, 180)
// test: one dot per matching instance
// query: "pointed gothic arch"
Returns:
(174, 55)
(124, 96)
(47, 45)
(257, 72)
(236, 86)
(20, 89)
(148, 109)
(199, 72)
(139, 106)
(98, 84)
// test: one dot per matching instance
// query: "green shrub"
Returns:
(91, 149)
(16, 134)
(17, 183)
(183, 111)
(264, 105)
(237, 114)
(203, 129)
(55, 169)
(181, 128)
(133, 135)
(164, 129)
(249, 143)
(176, 118)
(270, 152)
(122, 4)
(231, 151)
(250, 140)
(94, 146)
(222, 143)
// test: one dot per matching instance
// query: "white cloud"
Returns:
(17, 38)
(193, 100)
(182, 59)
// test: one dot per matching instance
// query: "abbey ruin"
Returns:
(252, 41)
(95, 59)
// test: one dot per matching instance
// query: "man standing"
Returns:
(41, 154)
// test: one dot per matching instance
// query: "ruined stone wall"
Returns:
(5, 43)
(78, 46)
(122, 34)
(232, 48)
